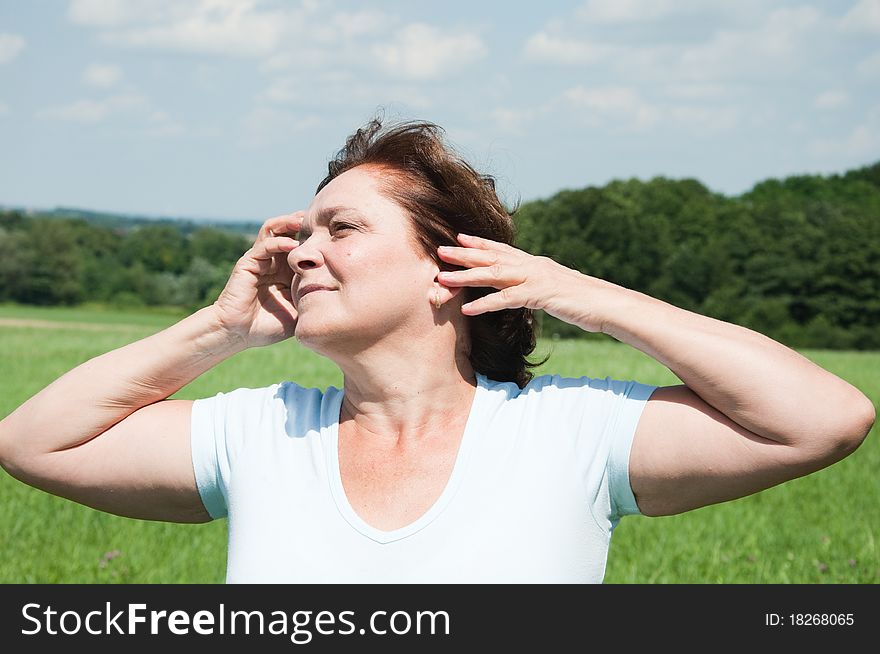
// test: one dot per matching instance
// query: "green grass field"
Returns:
(823, 528)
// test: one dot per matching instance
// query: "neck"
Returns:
(394, 394)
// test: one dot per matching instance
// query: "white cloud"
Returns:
(161, 124)
(863, 17)
(423, 52)
(231, 35)
(870, 67)
(10, 46)
(283, 35)
(558, 49)
(623, 108)
(268, 126)
(698, 91)
(116, 13)
(773, 47)
(286, 91)
(831, 100)
(126, 105)
(127, 101)
(300, 58)
(217, 27)
(329, 42)
(515, 121)
(712, 119)
(345, 25)
(4, 108)
(341, 89)
(81, 111)
(102, 75)
(627, 11)
(798, 127)
(862, 141)
(612, 104)
(738, 46)
(307, 37)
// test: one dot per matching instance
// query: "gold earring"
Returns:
(437, 302)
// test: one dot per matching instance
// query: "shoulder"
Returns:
(560, 399)
(257, 417)
(550, 386)
(284, 396)
(278, 391)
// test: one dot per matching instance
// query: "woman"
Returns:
(442, 459)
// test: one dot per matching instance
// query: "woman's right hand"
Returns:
(255, 305)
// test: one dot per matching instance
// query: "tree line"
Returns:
(67, 261)
(797, 259)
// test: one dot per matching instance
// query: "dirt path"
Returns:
(58, 324)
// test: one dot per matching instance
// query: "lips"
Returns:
(308, 288)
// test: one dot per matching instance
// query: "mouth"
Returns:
(311, 288)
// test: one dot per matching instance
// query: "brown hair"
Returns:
(445, 196)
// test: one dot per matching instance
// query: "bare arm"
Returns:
(104, 433)
(101, 435)
(752, 412)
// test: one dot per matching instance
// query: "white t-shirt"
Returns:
(540, 481)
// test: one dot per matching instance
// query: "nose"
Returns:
(305, 256)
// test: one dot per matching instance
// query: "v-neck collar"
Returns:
(330, 436)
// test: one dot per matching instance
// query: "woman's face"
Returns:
(355, 243)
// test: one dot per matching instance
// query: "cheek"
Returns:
(383, 268)
(361, 261)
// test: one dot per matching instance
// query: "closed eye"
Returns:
(341, 226)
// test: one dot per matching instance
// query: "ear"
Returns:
(447, 293)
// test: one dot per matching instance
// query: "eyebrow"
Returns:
(326, 214)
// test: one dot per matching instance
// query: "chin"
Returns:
(321, 336)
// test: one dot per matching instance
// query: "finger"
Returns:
(272, 245)
(484, 243)
(273, 270)
(468, 256)
(281, 290)
(496, 276)
(279, 272)
(503, 299)
(285, 224)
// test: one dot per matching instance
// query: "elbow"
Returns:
(7, 460)
(4, 446)
(838, 439)
(863, 417)
(11, 454)
(869, 419)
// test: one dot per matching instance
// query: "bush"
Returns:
(126, 300)
(821, 333)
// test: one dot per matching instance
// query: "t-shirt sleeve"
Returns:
(219, 427)
(602, 414)
(629, 401)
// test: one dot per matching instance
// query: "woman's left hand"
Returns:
(524, 280)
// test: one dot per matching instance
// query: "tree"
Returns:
(160, 248)
(217, 246)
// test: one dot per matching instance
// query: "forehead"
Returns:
(358, 185)
(356, 191)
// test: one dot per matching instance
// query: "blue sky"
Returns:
(231, 108)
